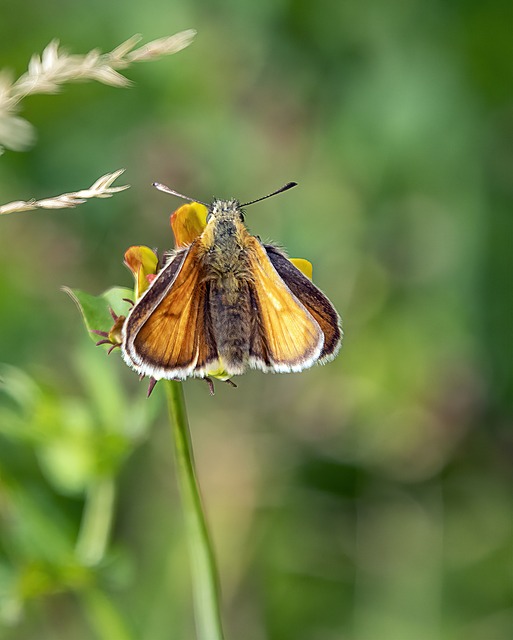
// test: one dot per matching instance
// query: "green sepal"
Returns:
(95, 310)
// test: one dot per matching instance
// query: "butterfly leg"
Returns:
(210, 383)
(151, 386)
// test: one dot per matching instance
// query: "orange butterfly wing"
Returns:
(168, 333)
(285, 336)
(312, 298)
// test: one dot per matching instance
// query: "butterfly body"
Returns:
(225, 261)
(225, 303)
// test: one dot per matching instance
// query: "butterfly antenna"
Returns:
(162, 187)
(285, 187)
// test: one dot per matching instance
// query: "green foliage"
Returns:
(95, 310)
(60, 457)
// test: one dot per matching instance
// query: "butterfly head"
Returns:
(225, 211)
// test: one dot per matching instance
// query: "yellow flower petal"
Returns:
(142, 262)
(304, 266)
(188, 223)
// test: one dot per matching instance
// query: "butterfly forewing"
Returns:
(285, 336)
(312, 298)
(169, 340)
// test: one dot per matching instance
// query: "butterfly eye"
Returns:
(209, 216)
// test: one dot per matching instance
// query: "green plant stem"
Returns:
(203, 567)
(96, 521)
(106, 621)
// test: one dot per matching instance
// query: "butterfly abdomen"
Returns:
(229, 311)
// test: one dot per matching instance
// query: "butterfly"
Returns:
(227, 302)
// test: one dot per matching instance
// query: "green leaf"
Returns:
(95, 309)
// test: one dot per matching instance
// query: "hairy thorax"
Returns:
(225, 254)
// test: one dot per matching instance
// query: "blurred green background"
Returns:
(370, 498)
